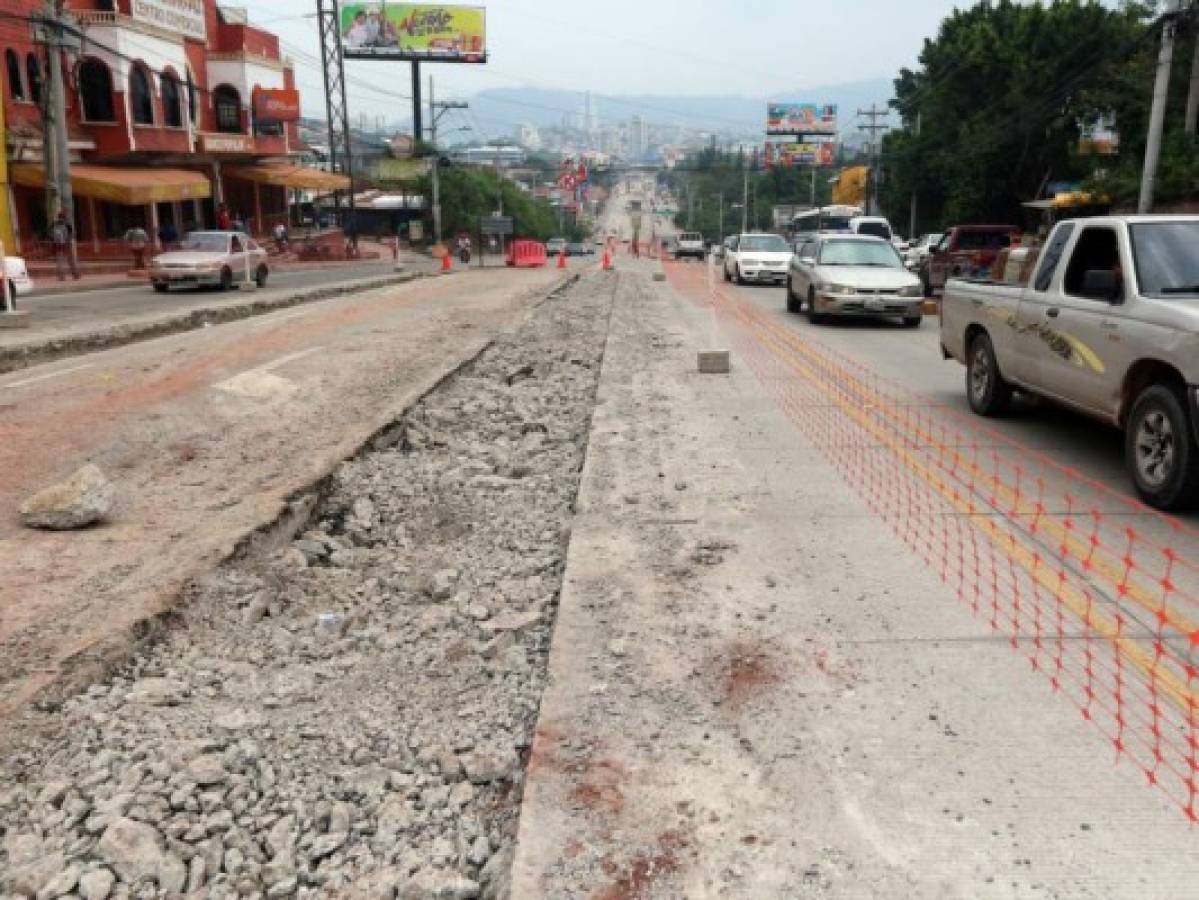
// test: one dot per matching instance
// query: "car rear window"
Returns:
(984, 240)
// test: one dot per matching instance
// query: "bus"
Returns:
(825, 218)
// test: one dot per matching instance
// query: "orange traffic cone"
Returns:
(607, 260)
(447, 265)
(561, 260)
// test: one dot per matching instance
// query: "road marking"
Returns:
(261, 383)
(48, 376)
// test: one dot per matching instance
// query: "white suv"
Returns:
(757, 257)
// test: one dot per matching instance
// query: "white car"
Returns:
(19, 282)
(756, 258)
(853, 275)
(918, 252)
(210, 259)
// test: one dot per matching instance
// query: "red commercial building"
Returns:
(162, 121)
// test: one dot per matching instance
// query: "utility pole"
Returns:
(418, 131)
(722, 217)
(1192, 116)
(874, 128)
(912, 220)
(58, 33)
(745, 197)
(1157, 114)
(436, 111)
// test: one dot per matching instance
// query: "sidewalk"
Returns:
(757, 691)
(74, 322)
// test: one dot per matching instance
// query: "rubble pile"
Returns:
(348, 716)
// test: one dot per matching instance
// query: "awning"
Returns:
(299, 178)
(125, 186)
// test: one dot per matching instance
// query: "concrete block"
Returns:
(659, 276)
(247, 287)
(714, 362)
(18, 319)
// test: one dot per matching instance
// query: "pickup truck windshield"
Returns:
(765, 244)
(1167, 258)
(859, 253)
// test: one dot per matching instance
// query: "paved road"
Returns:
(138, 298)
(205, 435)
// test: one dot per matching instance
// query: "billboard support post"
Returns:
(336, 107)
(418, 130)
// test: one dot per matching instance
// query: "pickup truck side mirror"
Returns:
(1101, 284)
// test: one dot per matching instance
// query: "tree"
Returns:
(1001, 95)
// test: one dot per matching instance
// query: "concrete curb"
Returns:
(23, 356)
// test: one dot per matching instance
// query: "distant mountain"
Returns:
(499, 110)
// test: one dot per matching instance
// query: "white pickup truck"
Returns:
(1108, 325)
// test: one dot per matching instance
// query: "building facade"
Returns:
(174, 107)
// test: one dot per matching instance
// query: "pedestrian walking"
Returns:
(224, 222)
(136, 239)
(168, 235)
(62, 240)
(282, 239)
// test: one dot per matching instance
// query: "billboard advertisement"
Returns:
(801, 118)
(1099, 138)
(276, 105)
(414, 31)
(810, 154)
(185, 17)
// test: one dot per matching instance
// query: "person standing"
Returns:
(223, 220)
(136, 238)
(62, 239)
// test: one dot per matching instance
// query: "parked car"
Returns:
(968, 250)
(853, 275)
(578, 249)
(1107, 325)
(19, 282)
(210, 259)
(756, 257)
(555, 246)
(689, 244)
(918, 251)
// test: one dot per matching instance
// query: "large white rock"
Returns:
(82, 500)
(133, 849)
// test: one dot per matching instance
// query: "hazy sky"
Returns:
(749, 47)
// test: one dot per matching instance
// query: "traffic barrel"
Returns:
(446, 265)
(562, 260)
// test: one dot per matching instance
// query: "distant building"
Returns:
(638, 140)
(491, 156)
(530, 136)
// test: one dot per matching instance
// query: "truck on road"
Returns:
(1108, 325)
(965, 250)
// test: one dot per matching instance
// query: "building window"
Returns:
(141, 101)
(172, 100)
(191, 98)
(95, 91)
(227, 103)
(16, 88)
(33, 69)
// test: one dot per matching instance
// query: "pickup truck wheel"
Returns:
(226, 279)
(261, 276)
(160, 288)
(725, 268)
(913, 321)
(927, 285)
(793, 304)
(1160, 449)
(989, 394)
(737, 277)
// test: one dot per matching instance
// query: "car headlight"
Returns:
(912, 290)
(838, 289)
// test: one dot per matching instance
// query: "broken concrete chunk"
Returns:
(83, 499)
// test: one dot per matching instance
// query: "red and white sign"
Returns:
(567, 181)
(184, 17)
(276, 105)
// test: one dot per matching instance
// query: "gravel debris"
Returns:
(350, 715)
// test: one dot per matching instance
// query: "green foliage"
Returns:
(1000, 95)
(703, 176)
(468, 194)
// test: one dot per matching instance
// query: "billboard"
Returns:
(185, 17)
(808, 154)
(1099, 138)
(801, 118)
(414, 31)
(276, 105)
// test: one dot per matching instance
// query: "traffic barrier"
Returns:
(527, 254)
(1097, 593)
(562, 260)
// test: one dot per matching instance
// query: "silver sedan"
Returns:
(853, 275)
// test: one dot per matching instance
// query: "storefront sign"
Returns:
(226, 143)
(276, 105)
(183, 16)
(412, 31)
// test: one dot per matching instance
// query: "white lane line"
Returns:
(47, 376)
(284, 360)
